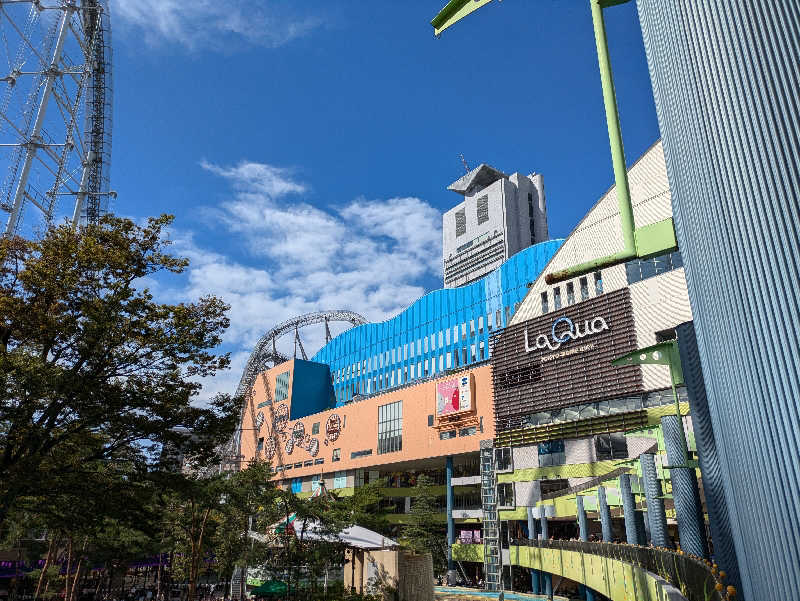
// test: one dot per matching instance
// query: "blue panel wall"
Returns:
(726, 80)
(312, 391)
(424, 339)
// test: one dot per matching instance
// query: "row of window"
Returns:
(447, 435)
(642, 269)
(482, 215)
(583, 284)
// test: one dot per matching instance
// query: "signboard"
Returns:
(563, 359)
(454, 395)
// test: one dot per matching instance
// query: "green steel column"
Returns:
(614, 130)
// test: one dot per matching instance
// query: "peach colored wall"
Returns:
(359, 429)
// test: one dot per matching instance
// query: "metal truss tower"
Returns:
(55, 112)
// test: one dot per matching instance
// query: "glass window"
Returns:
(584, 289)
(390, 427)
(545, 304)
(502, 459)
(498, 319)
(611, 446)
(282, 386)
(337, 455)
(315, 428)
(598, 282)
(260, 444)
(461, 223)
(467, 431)
(447, 435)
(319, 461)
(483, 209)
(505, 494)
(557, 298)
(570, 293)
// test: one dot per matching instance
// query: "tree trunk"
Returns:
(69, 567)
(77, 571)
(47, 560)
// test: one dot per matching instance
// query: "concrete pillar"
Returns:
(535, 574)
(656, 516)
(545, 531)
(719, 521)
(629, 509)
(583, 522)
(605, 514)
(642, 527)
(688, 512)
(451, 527)
(725, 80)
(583, 527)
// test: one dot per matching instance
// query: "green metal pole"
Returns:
(614, 130)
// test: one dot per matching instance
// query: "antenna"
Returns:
(464, 162)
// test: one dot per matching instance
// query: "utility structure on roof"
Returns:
(55, 113)
(499, 216)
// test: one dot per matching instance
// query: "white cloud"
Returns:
(214, 23)
(373, 257)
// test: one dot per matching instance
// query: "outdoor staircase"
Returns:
(492, 560)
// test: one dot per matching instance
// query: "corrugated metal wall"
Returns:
(726, 79)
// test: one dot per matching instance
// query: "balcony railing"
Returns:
(697, 580)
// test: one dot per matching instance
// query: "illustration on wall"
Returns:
(453, 396)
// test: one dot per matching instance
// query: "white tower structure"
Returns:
(499, 216)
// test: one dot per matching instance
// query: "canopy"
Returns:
(354, 536)
(270, 587)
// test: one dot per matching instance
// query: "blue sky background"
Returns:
(305, 147)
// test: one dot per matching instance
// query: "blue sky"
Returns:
(305, 147)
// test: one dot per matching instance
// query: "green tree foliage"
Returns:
(424, 532)
(91, 366)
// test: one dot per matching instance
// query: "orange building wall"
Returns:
(359, 429)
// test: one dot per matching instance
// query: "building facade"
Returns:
(504, 393)
(499, 216)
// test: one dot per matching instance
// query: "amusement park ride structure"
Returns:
(55, 111)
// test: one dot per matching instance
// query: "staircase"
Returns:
(492, 560)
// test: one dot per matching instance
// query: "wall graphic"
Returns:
(454, 395)
(292, 438)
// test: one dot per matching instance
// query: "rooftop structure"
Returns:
(499, 216)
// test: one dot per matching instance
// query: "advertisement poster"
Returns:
(453, 396)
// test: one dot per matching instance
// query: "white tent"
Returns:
(354, 536)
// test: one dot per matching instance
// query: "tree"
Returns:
(91, 364)
(424, 533)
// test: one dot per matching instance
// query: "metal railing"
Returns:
(696, 579)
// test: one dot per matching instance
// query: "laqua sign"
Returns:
(564, 359)
(564, 330)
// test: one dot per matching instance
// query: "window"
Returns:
(467, 431)
(637, 270)
(337, 455)
(505, 494)
(340, 480)
(260, 446)
(461, 223)
(390, 427)
(570, 293)
(357, 454)
(598, 282)
(666, 335)
(502, 459)
(483, 209)
(315, 428)
(297, 485)
(557, 298)
(299, 464)
(447, 435)
(551, 486)
(308, 463)
(552, 453)
(266, 403)
(430, 419)
(530, 216)
(315, 480)
(498, 320)
(611, 446)
(282, 387)
(584, 289)
(545, 304)
(319, 461)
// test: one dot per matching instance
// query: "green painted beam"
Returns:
(453, 12)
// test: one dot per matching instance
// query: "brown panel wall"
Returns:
(572, 372)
